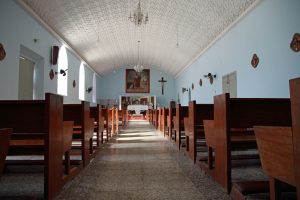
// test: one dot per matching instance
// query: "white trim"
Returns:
(254, 5)
(55, 34)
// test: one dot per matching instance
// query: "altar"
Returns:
(138, 109)
(137, 106)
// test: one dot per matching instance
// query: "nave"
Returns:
(140, 164)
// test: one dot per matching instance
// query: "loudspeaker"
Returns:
(54, 55)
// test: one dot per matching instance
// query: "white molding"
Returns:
(55, 34)
(247, 11)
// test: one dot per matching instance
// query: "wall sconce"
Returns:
(211, 77)
(89, 89)
(184, 90)
(62, 72)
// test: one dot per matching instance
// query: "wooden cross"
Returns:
(162, 81)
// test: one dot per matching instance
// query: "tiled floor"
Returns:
(141, 164)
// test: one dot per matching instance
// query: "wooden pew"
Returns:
(159, 119)
(150, 114)
(111, 121)
(5, 135)
(42, 122)
(83, 130)
(170, 120)
(95, 113)
(279, 148)
(232, 128)
(165, 114)
(155, 118)
(181, 113)
(106, 131)
(194, 130)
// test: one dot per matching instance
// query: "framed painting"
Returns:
(137, 82)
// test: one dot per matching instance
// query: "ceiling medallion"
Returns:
(254, 61)
(138, 17)
(2, 52)
(200, 82)
(51, 74)
(295, 43)
(74, 83)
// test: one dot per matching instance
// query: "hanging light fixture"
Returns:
(138, 17)
(138, 67)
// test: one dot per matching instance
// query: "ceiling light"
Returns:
(138, 17)
(138, 67)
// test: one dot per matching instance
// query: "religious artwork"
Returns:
(162, 82)
(254, 61)
(137, 82)
(295, 43)
(2, 52)
(51, 74)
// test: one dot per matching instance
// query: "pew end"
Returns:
(5, 135)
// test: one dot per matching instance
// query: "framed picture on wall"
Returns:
(137, 82)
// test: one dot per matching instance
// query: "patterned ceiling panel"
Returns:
(101, 32)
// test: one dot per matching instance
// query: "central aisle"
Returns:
(140, 164)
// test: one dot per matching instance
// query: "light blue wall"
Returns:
(19, 28)
(266, 31)
(113, 85)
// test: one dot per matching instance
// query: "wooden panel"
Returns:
(54, 148)
(194, 126)
(231, 117)
(5, 135)
(181, 112)
(277, 162)
(42, 119)
(23, 116)
(295, 107)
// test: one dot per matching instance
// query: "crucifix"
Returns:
(162, 82)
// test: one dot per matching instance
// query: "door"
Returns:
(26, 76)
(229, 84)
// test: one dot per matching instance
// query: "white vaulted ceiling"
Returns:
(99, 30)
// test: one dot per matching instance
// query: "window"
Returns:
(62, 64)
(81, 82)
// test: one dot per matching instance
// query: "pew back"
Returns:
(40, 116)
(80, 114)
(234, 119)
(181, 113)
(5, 135)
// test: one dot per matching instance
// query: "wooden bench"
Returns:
(181, 113)
(5, 135)
(279, 148)
(159, 119)
(155, 118)
(232, 128)
(96, 114)
(194, 130)
(83, 129)
(104, 115)
(38, 129)
(165, 114)
(170, 120)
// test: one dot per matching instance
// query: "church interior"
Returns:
(149, 99)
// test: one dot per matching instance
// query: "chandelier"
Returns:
(138, 17)
(138, 67)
